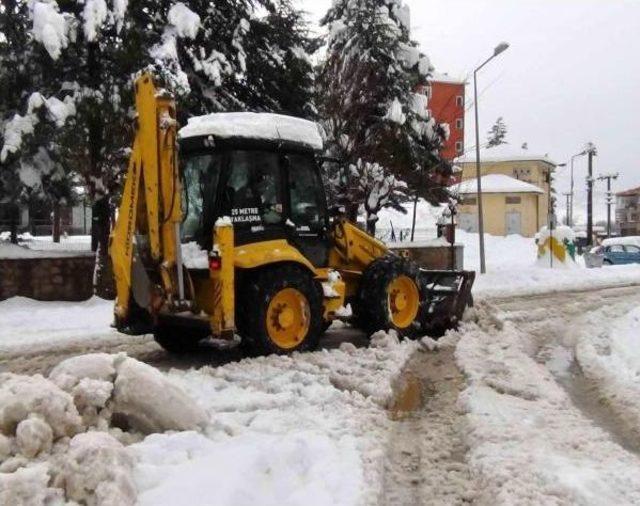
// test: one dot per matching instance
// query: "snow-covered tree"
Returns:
(371, 184)
(369, 95)
(237, 55)
(497, 134)
(68, 67)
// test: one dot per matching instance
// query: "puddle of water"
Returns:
(584, 396)
(408, 398)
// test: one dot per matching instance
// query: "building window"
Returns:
(459, 123)
(460, 101)
(458, 146)
(512, 200)
(469, 201)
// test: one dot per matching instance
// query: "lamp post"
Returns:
(500, 48)
(570, 212)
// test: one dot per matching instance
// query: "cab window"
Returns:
(200, 175)
(252, 194)
(305, 187)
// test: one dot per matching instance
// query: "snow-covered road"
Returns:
(534, 400)
(552, 398)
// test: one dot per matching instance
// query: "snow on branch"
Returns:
(50, 27)
(17, 127)
(94, 15)
(184, 20)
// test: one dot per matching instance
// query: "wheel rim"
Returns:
(288, 318)
(404, 301)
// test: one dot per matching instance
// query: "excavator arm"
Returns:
(150, 205)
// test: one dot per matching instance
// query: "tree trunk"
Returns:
(56, 222)
(371, 225)
(15, 217)
(100, 228)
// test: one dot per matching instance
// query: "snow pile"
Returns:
(250, 125)
(527, 443)
(96, 469)
(131, 391)
(555, 247)
(58, 438)
(512, 269)
(194, 257)
(306, 428)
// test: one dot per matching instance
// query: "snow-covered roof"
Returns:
(251, 125)
(446, 78)
(495, 183)
(505, 153)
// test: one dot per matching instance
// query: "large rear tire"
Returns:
(178, 340)
(279, 311)
(389, 297)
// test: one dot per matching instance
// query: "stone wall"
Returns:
(57, 278)
(433, 257)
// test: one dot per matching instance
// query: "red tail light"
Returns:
(215, 263)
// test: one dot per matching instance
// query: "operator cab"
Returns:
(260, 170)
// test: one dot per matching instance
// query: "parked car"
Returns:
(616, 254)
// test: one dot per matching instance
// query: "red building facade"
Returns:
(447, 105)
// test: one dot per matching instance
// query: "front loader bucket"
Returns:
(445, 296)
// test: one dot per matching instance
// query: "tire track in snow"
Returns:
(426, 455)
(555, 320)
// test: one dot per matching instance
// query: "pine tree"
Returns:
(497, 134)
(371, 106)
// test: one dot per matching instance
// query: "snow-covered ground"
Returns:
(26, 323)
(512, 269)
(547, 409)
(43, 246)
(536, 434)
(306, 429)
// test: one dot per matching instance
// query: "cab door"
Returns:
(307, 219)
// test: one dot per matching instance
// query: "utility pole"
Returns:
(608, 178)
(567, 219)
(591, 152)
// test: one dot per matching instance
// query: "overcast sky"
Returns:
(571, 75)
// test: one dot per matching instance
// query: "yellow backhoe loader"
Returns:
(223, 229)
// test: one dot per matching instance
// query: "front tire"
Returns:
(280, 311)
(389, 297)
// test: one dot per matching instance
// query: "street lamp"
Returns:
(570, 214)
(500, 48)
